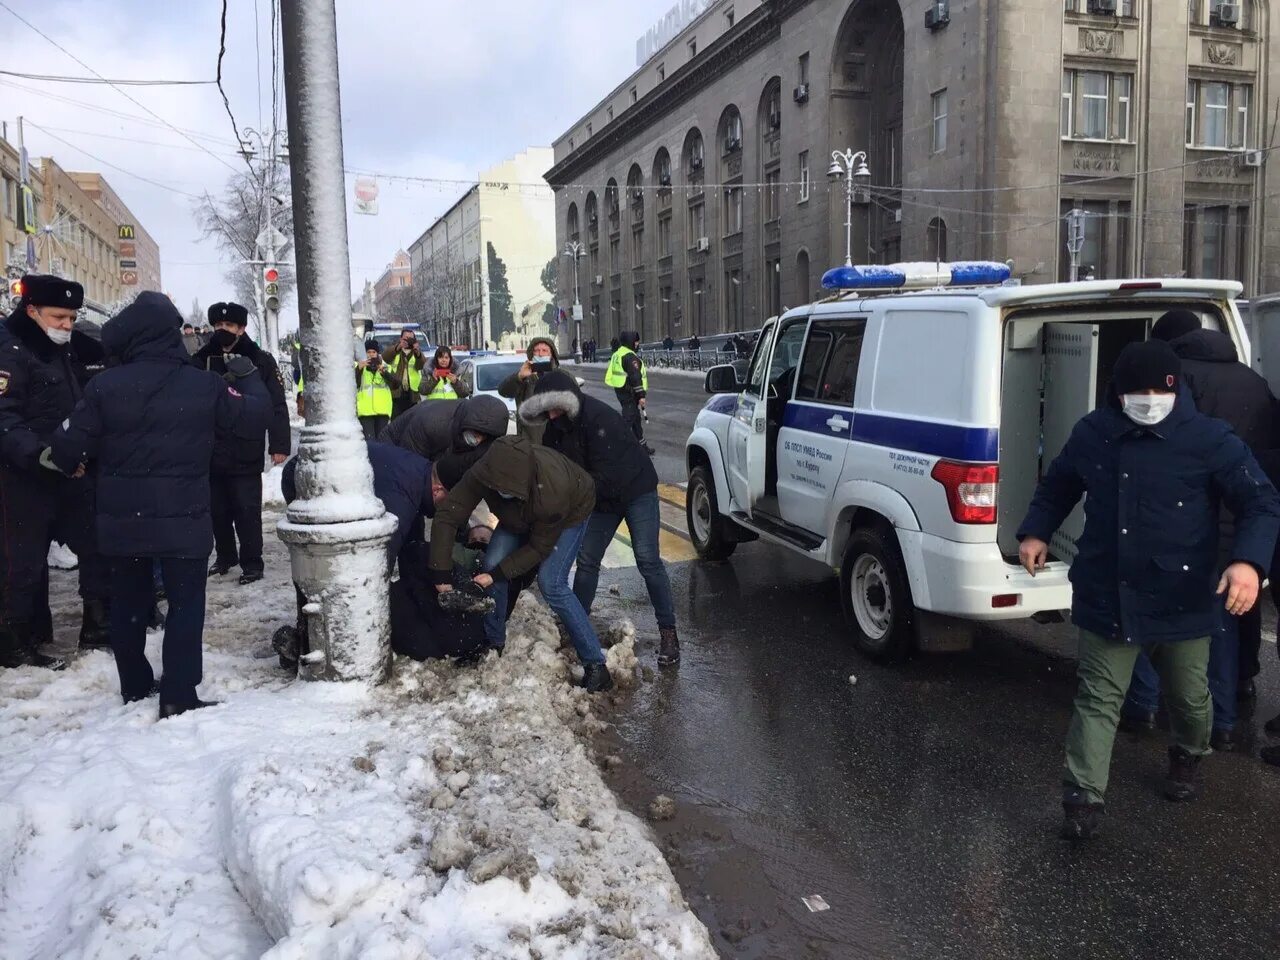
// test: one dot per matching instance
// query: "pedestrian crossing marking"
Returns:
(671, 547)
(672, 494)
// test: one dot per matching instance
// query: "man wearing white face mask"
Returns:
(43, 369)
(1154, 472)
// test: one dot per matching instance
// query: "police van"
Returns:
(896, 432)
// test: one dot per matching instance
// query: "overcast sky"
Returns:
(433, 88)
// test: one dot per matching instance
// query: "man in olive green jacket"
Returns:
(542, 501)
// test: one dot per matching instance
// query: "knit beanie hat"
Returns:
(1175, 324)
(1151, 365)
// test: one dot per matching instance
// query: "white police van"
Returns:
(896, 432)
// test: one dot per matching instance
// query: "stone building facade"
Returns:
(698, 187)
(140, 249)
(389, 289)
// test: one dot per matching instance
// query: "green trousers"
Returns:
(1105, 670)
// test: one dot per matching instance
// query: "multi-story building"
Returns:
(390, 288)
(698, 186)
(78, 238)
(12, 235)
(134, 245)
(480, 266)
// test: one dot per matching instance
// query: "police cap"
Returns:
(229, 313)
(44, 290)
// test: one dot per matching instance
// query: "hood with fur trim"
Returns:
(556, 390)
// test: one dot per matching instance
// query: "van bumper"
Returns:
(961, 580)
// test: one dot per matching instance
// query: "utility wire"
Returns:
(222, 52)
(113, 86)
(107, 163)
(257, 53)
(53, 78)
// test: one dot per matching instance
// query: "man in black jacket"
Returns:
(237, 461)
(44, 366)
(593, 435)
(1226, 389)
(146, 426)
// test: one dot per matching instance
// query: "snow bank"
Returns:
(453, 814)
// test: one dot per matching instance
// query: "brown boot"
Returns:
(668, 647)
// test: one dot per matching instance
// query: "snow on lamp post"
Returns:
(337, 530)
(852, 168)
(575, 250)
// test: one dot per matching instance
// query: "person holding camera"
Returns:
(441, 381)
(405, 362)
(376, 391)
(542, 359)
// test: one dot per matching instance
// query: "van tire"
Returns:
(709, 532)
(876, 595)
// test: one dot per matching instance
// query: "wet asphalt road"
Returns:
(920, 803)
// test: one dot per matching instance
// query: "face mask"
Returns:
(60, 337)
(1147, 410)
(472, 438)
(225, 339)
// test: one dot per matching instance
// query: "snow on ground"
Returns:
(454, 814)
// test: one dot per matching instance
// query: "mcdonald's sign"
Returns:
(125, 231)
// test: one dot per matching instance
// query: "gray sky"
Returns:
(434, 88)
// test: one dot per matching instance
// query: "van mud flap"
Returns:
(937, 633)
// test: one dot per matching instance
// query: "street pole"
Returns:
(574, 249)
(337, 530)
(852, 168)
(1075, 239)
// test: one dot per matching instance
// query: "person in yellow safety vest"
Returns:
(405, 363)
(629, 377)
(302, 395)
(375, 391)
(441, 381)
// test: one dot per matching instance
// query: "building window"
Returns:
(1219, 115)
(664, 309)
(697, 222)
(804, 69)
(640, 311)
(1097, 105)
(571, 144)
(733, 133)
(772, 195)
(729, 18)
(733, 300)
(773, 286)
(1123, 9)
(610, 114)
(732, 211)
(615, 255)
(634, 95)
(664, 237)
(662, 72)
(1213, 243)
(804, 176)
(1105, 252)
(939, 121)
(697, 307)
(589, 131)
(936, 240)
(693, 47)
(1242, 245)
(637, 247)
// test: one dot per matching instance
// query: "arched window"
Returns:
(730, 132)
(593, 218)
(571, 222)
(635, 193)
(935, 243)
(695, 153)
(662, 168)
(611, 205)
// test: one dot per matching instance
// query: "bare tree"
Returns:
(445, 286)
(235, 221)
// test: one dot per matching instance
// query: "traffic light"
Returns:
(15, 293)
(271, 288)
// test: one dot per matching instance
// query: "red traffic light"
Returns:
(271, 275)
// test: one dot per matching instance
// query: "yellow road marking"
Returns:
(671, 547)
(671, 494)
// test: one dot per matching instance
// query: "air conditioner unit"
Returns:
(599, 280)
(801, 93)
(703, 245)
(1253, 158)
(1102, 6)
(938, 15)
(1225, 14)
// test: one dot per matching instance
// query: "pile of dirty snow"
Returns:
(453, 814)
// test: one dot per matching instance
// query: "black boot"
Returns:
(668, 647)
(1225, 741)
(95, 626)
(28, 642)
(1182, 782)
(250, 576)
(1141, 722)
(285, 643)
(1080, 821)
(12, 651)
(168, 710)
(220, 569)
(596, 678)
(1273, 725)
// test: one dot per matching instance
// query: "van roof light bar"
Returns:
(916, 276)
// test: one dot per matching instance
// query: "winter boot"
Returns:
(1081, 817)
(95, 627)
(29, 643)
(285, 642)
(596, 678)
(1225, 741)
(220, 569)
(168, 710)
(668, 647)
(1181, 784)
(1142, 723)
(12, 651)
(252, 576)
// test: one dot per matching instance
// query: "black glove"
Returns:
(466, 597)
(238, 368)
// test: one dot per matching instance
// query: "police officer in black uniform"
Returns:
(44, 366)
(236, 475)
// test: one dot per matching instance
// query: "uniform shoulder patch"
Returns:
(4, 382)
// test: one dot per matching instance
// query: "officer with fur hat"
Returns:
(43, 369)
(236, 470)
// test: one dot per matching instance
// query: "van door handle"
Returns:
(838, 423)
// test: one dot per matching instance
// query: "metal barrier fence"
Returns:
(678, 359)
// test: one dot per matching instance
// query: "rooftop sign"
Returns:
(668, 28)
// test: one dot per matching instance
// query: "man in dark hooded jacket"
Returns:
(236, 481)
(147, 428)
(1229, 390)
(44, 366)
(431, 430)
(592, 434)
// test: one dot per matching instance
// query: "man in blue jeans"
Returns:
(594, 436)
(542, 501)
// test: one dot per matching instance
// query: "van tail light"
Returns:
(971, 489)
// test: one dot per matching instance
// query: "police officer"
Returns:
(43, 369)
(236, 471)
(629, 377)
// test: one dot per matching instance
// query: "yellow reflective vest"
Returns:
(415, 372)
(616, 377)
(373, 399)
(443, 390)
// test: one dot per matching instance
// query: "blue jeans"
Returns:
(553, 581)
(642, 516)
(1224, 658)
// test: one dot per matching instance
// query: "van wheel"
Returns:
(709, 531)
(876, 595)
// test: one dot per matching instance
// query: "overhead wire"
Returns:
(107, 163)
(57, 78)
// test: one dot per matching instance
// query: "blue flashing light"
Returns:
(969, 273)
(867, 276)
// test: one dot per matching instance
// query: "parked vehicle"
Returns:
(897, 436)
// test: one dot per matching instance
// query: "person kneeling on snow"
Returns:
(542, 501)
(595, 437)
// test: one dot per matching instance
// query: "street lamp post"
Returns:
(337, 530)
(852, 167)
(574, 249)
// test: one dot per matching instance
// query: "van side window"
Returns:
(786, 358)
(760, 362)
(829, 372)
